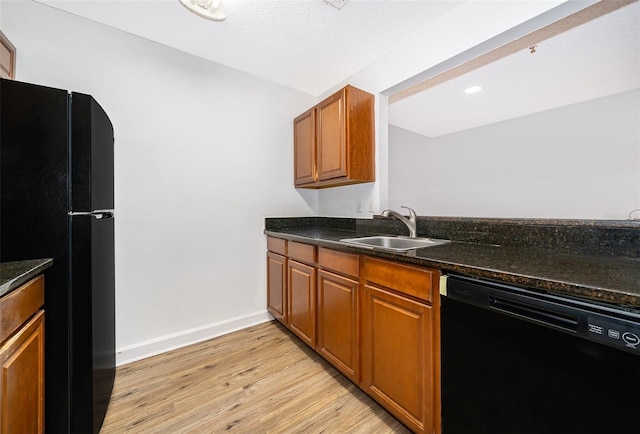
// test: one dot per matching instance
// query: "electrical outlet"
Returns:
(358, 205)
(372, 207)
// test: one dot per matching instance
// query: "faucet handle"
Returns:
(412, 213)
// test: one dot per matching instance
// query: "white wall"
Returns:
(460, 29)
(202, 154)
(409, 171)
(579, 161)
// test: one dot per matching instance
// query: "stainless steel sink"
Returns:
(397, 244)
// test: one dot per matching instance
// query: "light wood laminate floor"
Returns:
(257, 380)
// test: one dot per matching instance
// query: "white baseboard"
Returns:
(170, 342)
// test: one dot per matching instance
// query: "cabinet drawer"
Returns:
(345, 263)
(18, 306)
(415, 281)
(277, 245)
(302, 252)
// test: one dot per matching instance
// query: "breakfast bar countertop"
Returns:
(14, 274)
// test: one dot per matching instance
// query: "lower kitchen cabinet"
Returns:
(301, 291)
(277, 286)
(22, 359)
(22, 382)
(375, 320)
(277, 278)
(400, 347)
(338, 323)
(396, 356)
(302, 301)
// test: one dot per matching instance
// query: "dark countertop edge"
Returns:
(584, 291)
(14, 274)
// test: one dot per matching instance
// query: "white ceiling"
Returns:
(595, 59)
(308, 45)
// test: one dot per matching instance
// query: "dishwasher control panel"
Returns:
(618, 333)
(607, 325)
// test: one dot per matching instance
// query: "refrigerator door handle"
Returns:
(98, 215)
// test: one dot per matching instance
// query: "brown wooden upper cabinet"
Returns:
(334, 141)
(7, 58)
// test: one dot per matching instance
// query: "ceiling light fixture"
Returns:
(208, 9)
(337, 3)
(473, 89)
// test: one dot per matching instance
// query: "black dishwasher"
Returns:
(521, 361)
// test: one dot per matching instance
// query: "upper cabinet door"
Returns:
(304, 148)
(7, 58)
(334, 141)
(331, 150)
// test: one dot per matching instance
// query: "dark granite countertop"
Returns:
(14, 274)
(605, 278)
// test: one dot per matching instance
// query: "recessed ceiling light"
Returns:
(473, 89)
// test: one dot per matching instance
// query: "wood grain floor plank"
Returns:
(258, 380)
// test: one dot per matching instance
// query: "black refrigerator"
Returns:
(56, 190)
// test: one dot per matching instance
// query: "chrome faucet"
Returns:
(410, 222)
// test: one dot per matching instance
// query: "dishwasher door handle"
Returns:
(548, 317)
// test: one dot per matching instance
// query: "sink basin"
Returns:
(397, 244)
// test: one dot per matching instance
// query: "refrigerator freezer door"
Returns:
(93, 313)
(91, 155)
